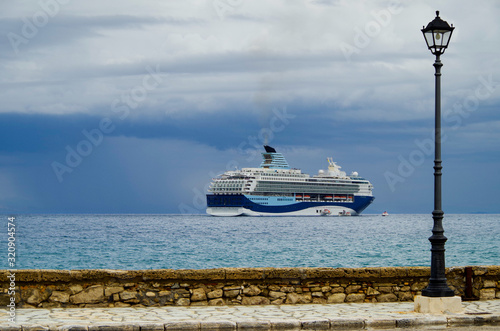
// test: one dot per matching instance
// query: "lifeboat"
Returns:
(325, 212)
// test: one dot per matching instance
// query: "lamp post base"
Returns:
(440, 305)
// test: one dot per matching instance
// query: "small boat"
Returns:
(385, 213)
(344, 213)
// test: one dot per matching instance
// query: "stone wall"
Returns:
(234, 286)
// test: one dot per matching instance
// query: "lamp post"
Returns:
(437, 35)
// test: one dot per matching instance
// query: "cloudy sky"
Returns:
(133, 106)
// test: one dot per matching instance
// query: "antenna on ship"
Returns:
(332, 164)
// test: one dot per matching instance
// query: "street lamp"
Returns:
(437, 35)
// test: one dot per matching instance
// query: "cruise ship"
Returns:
(275, 189)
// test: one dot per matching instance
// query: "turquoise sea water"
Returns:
(200, 241)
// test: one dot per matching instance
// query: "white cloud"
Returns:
(279, 51)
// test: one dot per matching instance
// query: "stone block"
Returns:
(152, 327)
(388, 297)
(273, 288)
(114, 327)
(317, 294)
(216, 302)
(493, 270)
(315, 324)
(252, 290)
(393, 272)
(438, 305)
(253, 325)
(215, 294)
(36, 296)
(231, 293)
(286, 289)
(255, 300)
(480, 270)
(355, 297)
(338, 289)
(352, 289)
(487, 294)
(59, 296)
(285, 324)
(183, 302)
(347, 324)
(489, 284)
(385, 289)
(278, 301)
(405, 296)
(128, 295)
(198, 295)
(217, 325)
(92, 294)
(372, 291)
(75, 288)
(151, 294)
(380, 323)
(336, 298)
(110, 290)
(4, 300)
(418, 286)
(182, 325)
(276, 295)
(181, 293)
(294, 298)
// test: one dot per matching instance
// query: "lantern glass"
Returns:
(437, 35)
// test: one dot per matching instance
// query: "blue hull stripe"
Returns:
(237, 200)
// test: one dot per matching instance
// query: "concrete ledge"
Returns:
(441, 305)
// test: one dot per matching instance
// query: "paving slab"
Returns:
(346, 316)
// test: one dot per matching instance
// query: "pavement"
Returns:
(355, 316)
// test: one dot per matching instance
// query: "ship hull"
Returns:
(242, 205)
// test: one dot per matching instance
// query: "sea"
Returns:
(135, 242)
